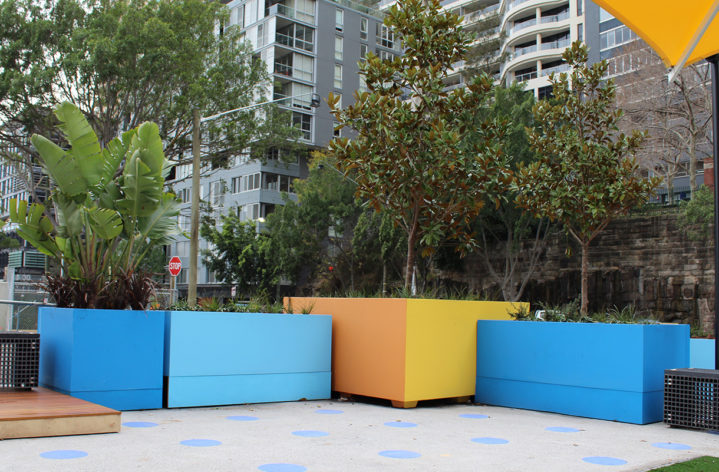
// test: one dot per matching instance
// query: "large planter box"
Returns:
(403, 350)
(109, 357)
(596, 370)
(701, 353)
(231, 358)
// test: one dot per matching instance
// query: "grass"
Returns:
(700, 464)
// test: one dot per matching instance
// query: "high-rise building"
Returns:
(309, 47)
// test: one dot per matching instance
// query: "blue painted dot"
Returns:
(490, 440)
(562, 429)
(673, 446)
(282, 468)
(200, 442)
(400, 454)
(310, 434)
(329, 412)
(243, 418)
(600, 460)
(474, 416)
(139, 424)
(400, 424)
(63, 454)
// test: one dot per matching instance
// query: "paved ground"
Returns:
(347, 436)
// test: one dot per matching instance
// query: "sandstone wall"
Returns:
(648, 261)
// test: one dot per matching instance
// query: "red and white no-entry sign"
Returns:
(175, 266)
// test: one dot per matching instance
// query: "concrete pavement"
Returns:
(335, 436)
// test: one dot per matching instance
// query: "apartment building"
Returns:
(309, 47)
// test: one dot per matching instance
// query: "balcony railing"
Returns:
(479, 15)
(522, 25)
(561, 44)
(525, 76)
(284, 10)
(297, 43)
(302, 102)
(523, 51)
(555, 70)
(288, 71)
(554, 18)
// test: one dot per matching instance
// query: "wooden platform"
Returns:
(41, 412)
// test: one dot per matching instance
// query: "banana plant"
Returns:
(110, 205)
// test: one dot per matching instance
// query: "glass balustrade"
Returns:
(555, 70)
(561, 44)
(292, 42)
(523, 25)
(555, 18)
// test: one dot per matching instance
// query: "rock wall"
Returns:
(648, 261)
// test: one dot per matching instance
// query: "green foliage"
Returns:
(315, 232)
(571, 312)
(239, 255)
(260, 304)
(111, 211)
(585, 175)
(698, 213)
(422, 155)
(129, 61)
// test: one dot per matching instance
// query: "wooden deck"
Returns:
(41, 412)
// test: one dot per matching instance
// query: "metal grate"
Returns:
(19, 360)
(691, 398)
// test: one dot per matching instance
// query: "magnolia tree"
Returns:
(421, 154)
(585, 174)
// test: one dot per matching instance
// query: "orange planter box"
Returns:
(404, 350)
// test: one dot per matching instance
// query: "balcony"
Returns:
(523, 25)
(555, 18)
(292, 42)
(475, 16)
(555, 70)
(288, 12)
(525, 76)
(518, 52)
(560, 44)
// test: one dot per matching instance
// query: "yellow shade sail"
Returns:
(671, 27)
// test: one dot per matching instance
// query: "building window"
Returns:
(235, 184)
(364, 28)
(338, 76)
(302, 67)
(386, 37)
(362, 83)
(580, 7)
(336, 130)
(182, 276)
(580, 32)
(363, 51)
(339, 19)
(182, 249)
(304, 123)
(338, 48)
(184, 222)
(384, 55)
(250, 182)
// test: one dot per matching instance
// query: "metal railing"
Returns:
(289, 12)
(290, 41)
(518, 52)
(555, 69)
(555, 18)
(522, 25)
(525, 76)
(562, 43)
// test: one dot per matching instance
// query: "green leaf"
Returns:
(105, 223)
(62, 167)
(84, 145)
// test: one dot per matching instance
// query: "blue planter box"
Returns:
(231, 358)
(109, 357)
(701, 354)
(606, 371)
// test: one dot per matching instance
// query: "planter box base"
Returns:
(612, 405)
(122, 400)
(237, 389)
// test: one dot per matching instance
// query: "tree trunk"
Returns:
(670, 189)
(411, 256)
(585, 278)
(384, 278)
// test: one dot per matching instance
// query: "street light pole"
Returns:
(197, 121)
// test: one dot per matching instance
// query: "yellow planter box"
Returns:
(404, 350)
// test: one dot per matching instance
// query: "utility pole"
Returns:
(195, 205)
(197, 121)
